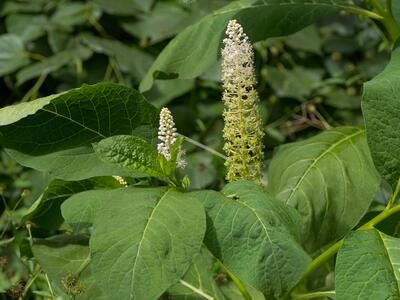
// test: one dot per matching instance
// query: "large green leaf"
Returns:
(131, 153)
(255, 236)
(144, 241)
(11, 53)
(63, 255)
(46, 213)
(55, 133)
(329, 178)
(196, 49)
(367, 267)
(381, 108)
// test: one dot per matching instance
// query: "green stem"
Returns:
(83, 265)
(30, 282)
(329, 294)
(200, 145)
(49, 285)
(331, 251)
(388, 21)
(392, 199)
(239, 284)
(33, 92)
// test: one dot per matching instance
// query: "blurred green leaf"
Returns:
(12, 55)
(296, 83)
(124, 7)
(27, 27)
(53, 63)
(307, 39)
(130, 59)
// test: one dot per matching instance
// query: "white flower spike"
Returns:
(243, 127)
(167, 135)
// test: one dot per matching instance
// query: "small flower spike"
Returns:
(243, 132)
(121, 180)
(167, 135)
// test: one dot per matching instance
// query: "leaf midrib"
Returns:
(267, 235)
(142, 239)
(317, 159)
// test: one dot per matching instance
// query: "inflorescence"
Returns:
(167, 135)
(243, 127)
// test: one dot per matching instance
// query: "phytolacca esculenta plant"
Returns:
(243, 128)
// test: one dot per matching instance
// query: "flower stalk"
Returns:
(243, 132)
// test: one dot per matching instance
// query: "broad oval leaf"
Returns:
(255, 236)
(54, 134)
(329, 178)
(381, 106)
(131, 153)
(196, 49)
(144, 241)
(367, 267)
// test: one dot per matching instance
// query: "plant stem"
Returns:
(50, 287)
(30, 282)
(392, 199)
(388, 21)
(331, 251)
(239, 284)
(212, 151)
(33, 92)
(83, 265)
(329, 294)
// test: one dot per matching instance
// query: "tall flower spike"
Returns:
(243, 127)
(167, 135)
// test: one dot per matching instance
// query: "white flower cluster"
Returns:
(238, 57)
(121, 180)
(167, 135)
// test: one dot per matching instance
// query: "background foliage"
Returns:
(308, 82)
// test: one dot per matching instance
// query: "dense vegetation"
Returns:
(92, 208)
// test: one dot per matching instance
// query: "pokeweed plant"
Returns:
(124, 225)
